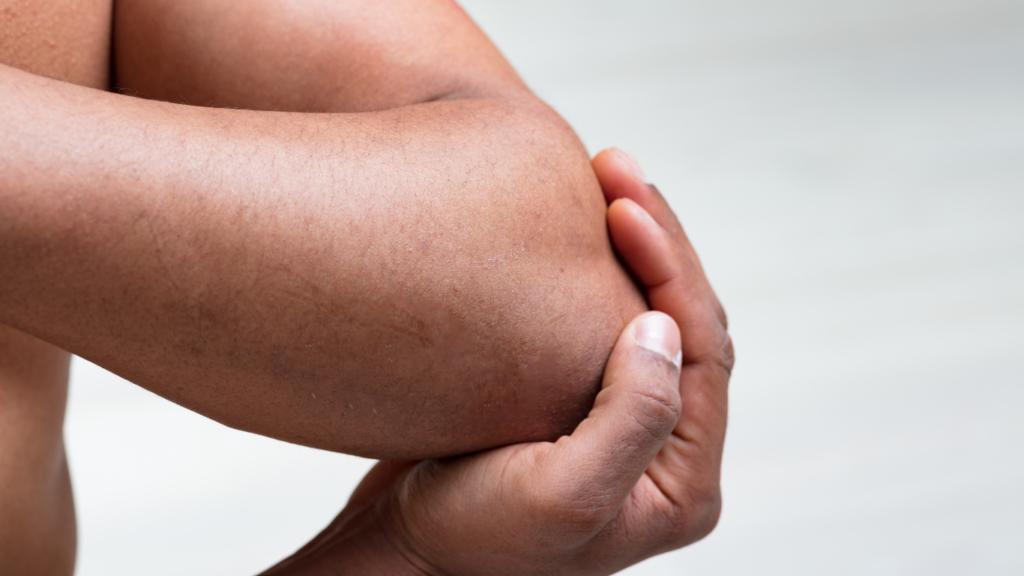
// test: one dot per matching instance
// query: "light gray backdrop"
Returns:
(852, 174)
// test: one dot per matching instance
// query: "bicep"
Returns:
(304, 56)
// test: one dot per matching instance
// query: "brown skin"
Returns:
(37, 534)
(310, 56)
(68, 40)
(100, 289)
(377, 283)
(638, 477)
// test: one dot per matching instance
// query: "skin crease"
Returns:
(157, 208)
(313, 56)
(638, 477)
(377, 283)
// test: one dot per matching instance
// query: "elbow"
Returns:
(560, 295)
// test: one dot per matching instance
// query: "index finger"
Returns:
(621, 177)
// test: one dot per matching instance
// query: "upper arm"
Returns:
(304, 56)
(290, 274)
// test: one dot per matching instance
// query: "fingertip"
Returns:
(627, 222)
(630, 164)
(637, 211)
(657, 332)
(620, 161)
(603, 157)
(646, 360)
(643, 373)
(642, 243)
(620, 175)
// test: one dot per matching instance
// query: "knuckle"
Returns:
(726, 357)
(656, 409)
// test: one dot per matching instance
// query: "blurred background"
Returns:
(852, 174)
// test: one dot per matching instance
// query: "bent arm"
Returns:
(376, 283)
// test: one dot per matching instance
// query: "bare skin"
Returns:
(311, 56)
(37, 535)
(69, 41)
(104, 307)
(139, 252)
(376, 283)
(638, 477)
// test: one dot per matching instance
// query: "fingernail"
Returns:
(658, 333)
(632, 164)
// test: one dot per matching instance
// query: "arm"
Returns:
(306, 55)
(376, 283)
(37, 534)
(638, 477)
(37, 531)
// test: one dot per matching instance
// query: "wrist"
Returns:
(356, 543)
(375, 552)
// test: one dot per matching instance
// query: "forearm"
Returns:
(373, 283)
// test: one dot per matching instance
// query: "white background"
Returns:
(852, 174)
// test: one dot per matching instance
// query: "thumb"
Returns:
(633, 415)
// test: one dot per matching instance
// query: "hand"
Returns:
(638, 477)
(581, 505)
(663, 261)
